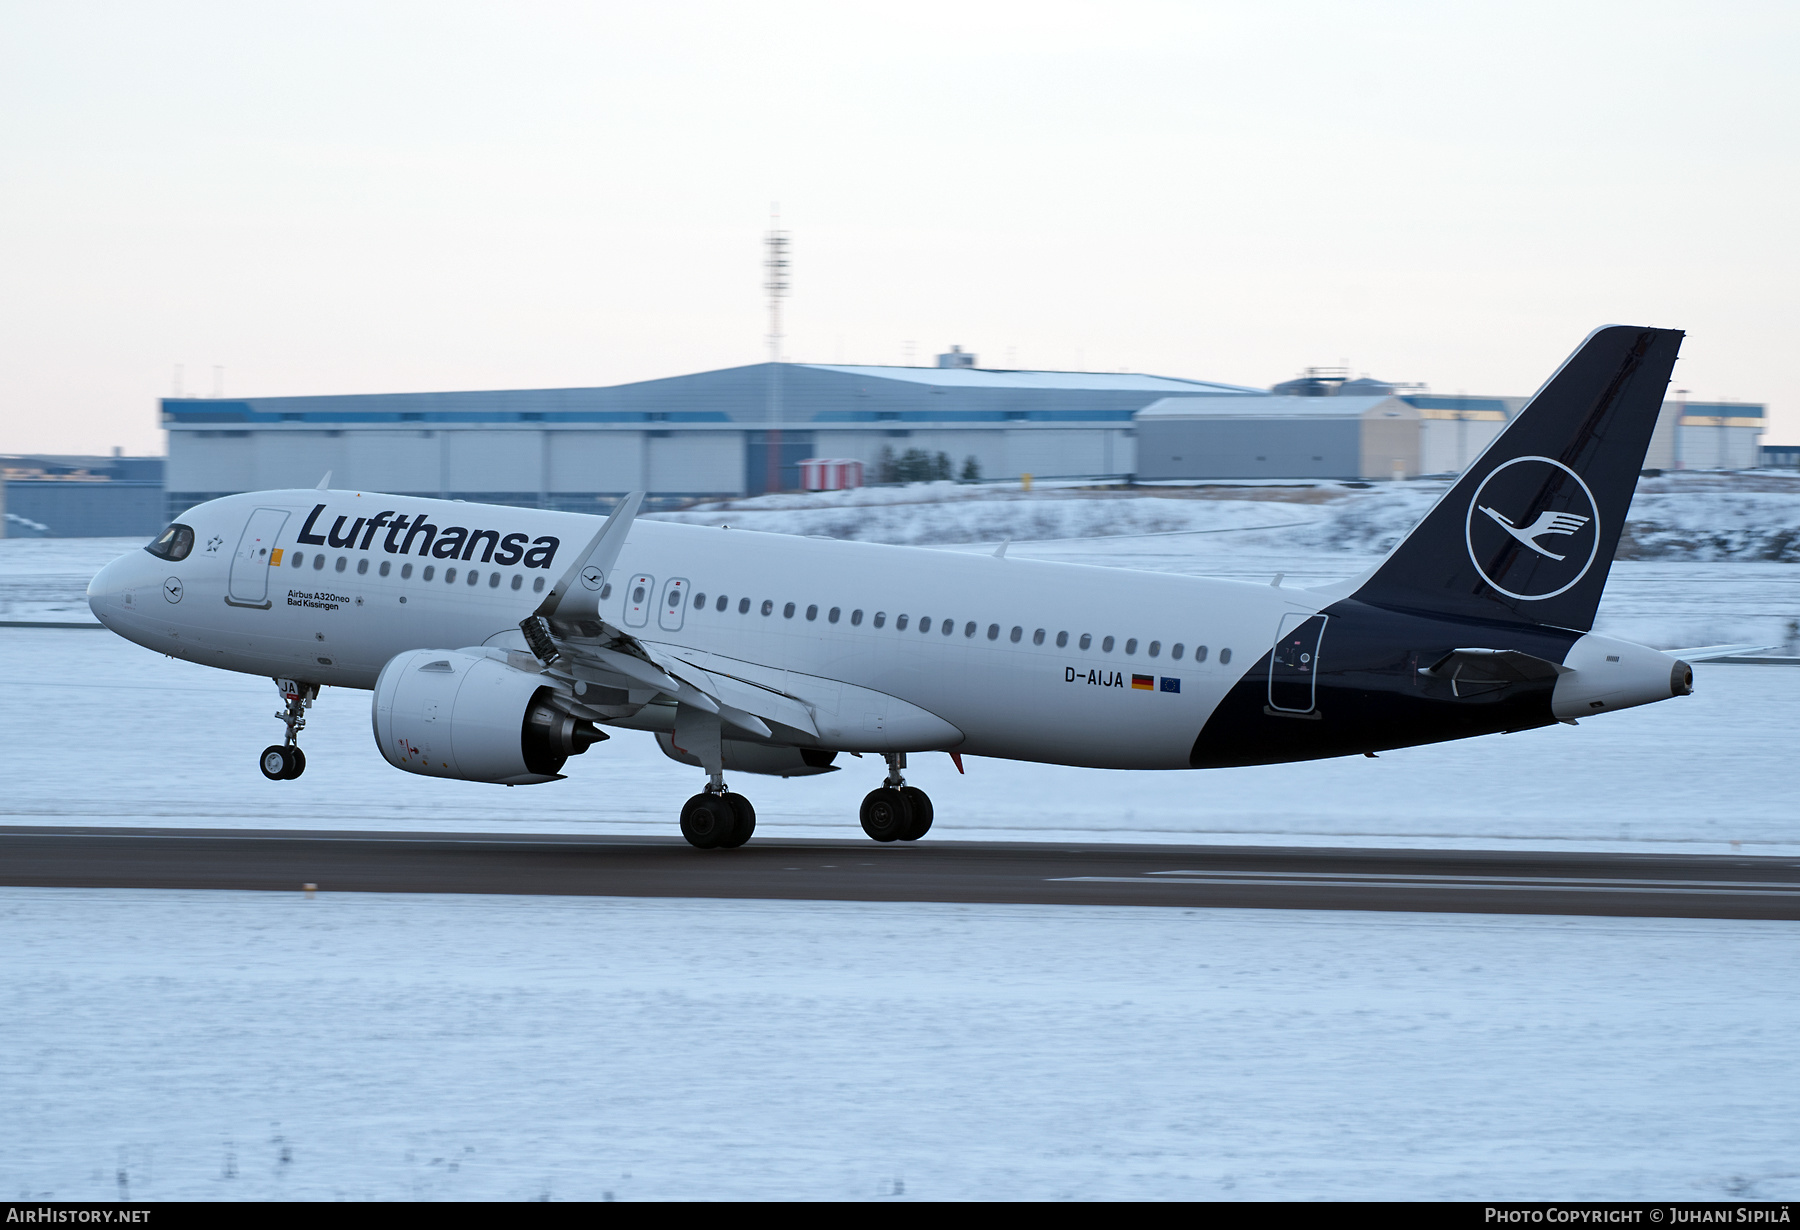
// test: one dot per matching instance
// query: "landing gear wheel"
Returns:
(746, 821)
(886, 814)
(921, 813)
(708, 821)
(297, 765)
(277, 763)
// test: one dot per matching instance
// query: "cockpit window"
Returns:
(173, 543)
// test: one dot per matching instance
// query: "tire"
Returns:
(745, 816)
(707, 821)
(921, 813)
(886, 814)
(276, 763)
(298, 765)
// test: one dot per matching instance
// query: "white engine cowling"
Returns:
(465, 713)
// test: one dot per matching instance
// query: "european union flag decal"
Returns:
(1170, 685)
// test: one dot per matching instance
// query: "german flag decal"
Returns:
(1145, 682)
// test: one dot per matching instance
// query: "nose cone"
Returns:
(106, 592)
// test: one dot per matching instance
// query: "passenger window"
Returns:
(969, 628)
(880, 618)
(1106, 645)
(768, 606)
(362, 566)
(494, 580)
(1224, 657)
(899, 623)
(406, 572)
(855, 617)
(296, 558)
(812, 613)
(605, 590)
(993, 632)
(1017, 632)
(1175, 651)
(832, 616)
(699, 602)
(924, 623)
(1199, 653)
(449, 576)
(787, 612)
(537, 587)
(173, 544)
(637, 596)
(743, 606)
(474, 576)
(1037, 638)
(1062, 640)
(1131, 645)
(721, 603)
(386, 567)
(342, 563)
(949, 626)
(517, 580)
(430, 571)
(1155, 648)
(1086, 639)
(318, 563)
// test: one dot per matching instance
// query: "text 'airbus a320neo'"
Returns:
(499, 641)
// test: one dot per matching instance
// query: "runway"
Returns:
(1429, 881)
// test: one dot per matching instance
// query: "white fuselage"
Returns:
(902, 626)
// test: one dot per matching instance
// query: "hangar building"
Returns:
(705, 434)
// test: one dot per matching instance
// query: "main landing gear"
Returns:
(716, 819)
(285, 761)
(897, 811)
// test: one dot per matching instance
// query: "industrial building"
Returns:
(746, 430)
(739, 431)
(81, 497)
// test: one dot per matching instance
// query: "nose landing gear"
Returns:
(285, 761)
(896, 811)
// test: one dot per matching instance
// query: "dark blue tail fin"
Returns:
(1528, 533)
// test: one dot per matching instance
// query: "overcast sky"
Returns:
(378, 197)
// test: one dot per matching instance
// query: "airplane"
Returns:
(498, 642)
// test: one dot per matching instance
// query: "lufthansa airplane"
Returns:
(498, 641)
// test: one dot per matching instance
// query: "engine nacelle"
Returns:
(465, 714)
(738, 756)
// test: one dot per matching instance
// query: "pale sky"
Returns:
(377, 197)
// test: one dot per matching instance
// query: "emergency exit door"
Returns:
(1294, 663)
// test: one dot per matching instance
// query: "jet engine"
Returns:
(467, 714)
(739, 756)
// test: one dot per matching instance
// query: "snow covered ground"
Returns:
(115, 735)
(187, 1045)
(178, 741)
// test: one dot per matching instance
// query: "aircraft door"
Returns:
(638, 597)
(1294, 663)
(249, 584)
(674, 605)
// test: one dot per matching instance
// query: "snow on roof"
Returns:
(1269, 407)
(984, 378)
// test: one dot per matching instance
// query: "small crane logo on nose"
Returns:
(172, 590)
(591, 577)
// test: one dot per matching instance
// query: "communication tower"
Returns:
(775, 282)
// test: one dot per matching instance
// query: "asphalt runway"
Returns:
(1249, 877)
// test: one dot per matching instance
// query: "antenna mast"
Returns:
(775, 282)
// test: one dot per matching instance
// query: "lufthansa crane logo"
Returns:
(1533, 529)
(592, 577)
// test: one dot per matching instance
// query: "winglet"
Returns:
(324, 483)
(1000, 551)
(577, 595)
